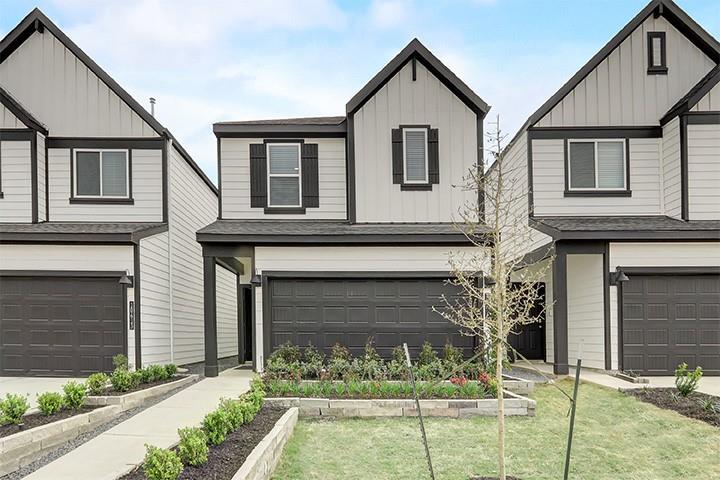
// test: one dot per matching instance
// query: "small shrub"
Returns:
(161, 464)
(430, 371)
(13, 408)
(313, 363)
(120, 361)
(171, 369)
(50, 403)
(397, 366)
(339, 351)
(193, 448)
(686, 381)
(143, 375)
(234, 410)
(75, 394)
(427, 355)
(217, 425)
(157, 373)
(96, 383)
(452, 358)
(122, 380)
(287, 352)
(459, 381)
(372, 367)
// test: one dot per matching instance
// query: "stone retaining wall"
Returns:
(25, 447)
(511, 384)
(261, 462)
(132, 400)
(515, 405)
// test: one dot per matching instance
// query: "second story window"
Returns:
(596, 165)
(415, 155)
(284, 184)
(657, 63)
(101, 173)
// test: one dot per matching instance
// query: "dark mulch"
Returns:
(226, 459)
(37, 419)
(114, 393)
(692, 406)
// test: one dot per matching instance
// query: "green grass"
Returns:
(616, 437)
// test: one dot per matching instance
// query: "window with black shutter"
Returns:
(415, 157)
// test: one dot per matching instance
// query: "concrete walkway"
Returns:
(32, 386)
(116, 451)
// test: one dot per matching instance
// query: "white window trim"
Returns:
(595, 156)
(289, 175)
(100, 151)
(427, 165)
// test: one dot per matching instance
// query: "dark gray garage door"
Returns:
(392, 311)
(668, 320)
(60, 326)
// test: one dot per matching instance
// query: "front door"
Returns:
(529, 340)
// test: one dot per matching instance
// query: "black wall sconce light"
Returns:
(618, 277)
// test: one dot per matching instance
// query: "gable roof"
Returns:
(418, 51)
(693, 96)
(36, 21)
(21, 113)
(668, 9)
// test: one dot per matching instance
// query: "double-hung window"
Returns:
(597, 165)
(415, 155)
(284, 184)
(101, 174)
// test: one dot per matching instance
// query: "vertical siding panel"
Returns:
(155, 299)
(603, 93)
(227, 320)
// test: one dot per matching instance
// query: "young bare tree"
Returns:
(498, 290)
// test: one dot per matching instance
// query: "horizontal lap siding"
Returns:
(8, 119)
(585, 310)
(704, 172)
(620, 92)
(235, 165)
(155, 299)
(66, 257)
(671, 168)
(227, 311)
(15, 182)
(147, 188)
(549, 182)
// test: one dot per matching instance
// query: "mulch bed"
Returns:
(226, 459)
(38, 419)
(114, 393)
(691, 406)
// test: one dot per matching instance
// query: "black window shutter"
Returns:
(397, 155)
(310, 181)
(258, 175)
(433, 157)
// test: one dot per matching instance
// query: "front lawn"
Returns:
(616, 437)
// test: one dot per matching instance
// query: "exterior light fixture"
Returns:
(125, 280)
(618, 276)
(256, 280)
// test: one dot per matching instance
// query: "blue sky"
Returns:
(240, 60)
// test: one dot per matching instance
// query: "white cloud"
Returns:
(389, 13)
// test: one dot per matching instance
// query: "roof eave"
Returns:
(224, 130)
(350, 239)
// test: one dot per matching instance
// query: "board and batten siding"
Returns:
(41, 178)
(585, 310)
(155, 299)
(704, 172)
(655, 254)
(8, 119)
(56, 86)
(227, 313)
(619, 90)
(147, 188)
(549, 182)
(672, 200)
(402, 101)
(710, 102)
(15, 182)
(235, 178)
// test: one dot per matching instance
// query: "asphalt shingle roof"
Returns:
(290, 121)
(650, 223)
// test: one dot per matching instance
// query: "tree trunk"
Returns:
(501, 409)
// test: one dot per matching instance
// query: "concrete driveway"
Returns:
(32, 386)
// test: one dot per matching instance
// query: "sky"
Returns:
(220, 60)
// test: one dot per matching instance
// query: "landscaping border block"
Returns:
(23, 448)
(135, 399)
(261, 462)
(510, 383)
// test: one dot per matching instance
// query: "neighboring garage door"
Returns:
(60, 326)
(325, 311)
(668, 320)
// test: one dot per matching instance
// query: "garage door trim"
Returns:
(337, 274)
(656, 270)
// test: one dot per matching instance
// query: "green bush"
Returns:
(120, 361)
(50, 403)
(193, 448)
(75, 394)
(217, 425)
(235, 411)
(686, 381)
(452, 358)
(171, 369)
(313, 363)
(288, 352)
(13, 408)
(96, 383)
(397, 366)
(372, 367)
(122, 380)
(143, 375)
(157, 373)
(427, 355)
(161, 464)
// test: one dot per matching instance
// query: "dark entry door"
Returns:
(60, 326)
(323, 311)
(529, 339)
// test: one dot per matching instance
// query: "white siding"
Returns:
(710, 102)
(192, 205)
(15, 182)
(227, 313)
(155, 299)
(620, 92)
(8, 119)
(235, 165)
(704, 172)
(403, 101)
(671, 168)
(147, 187)
(549, 182)
(41, 178)
(60, 89)
(585, 310)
